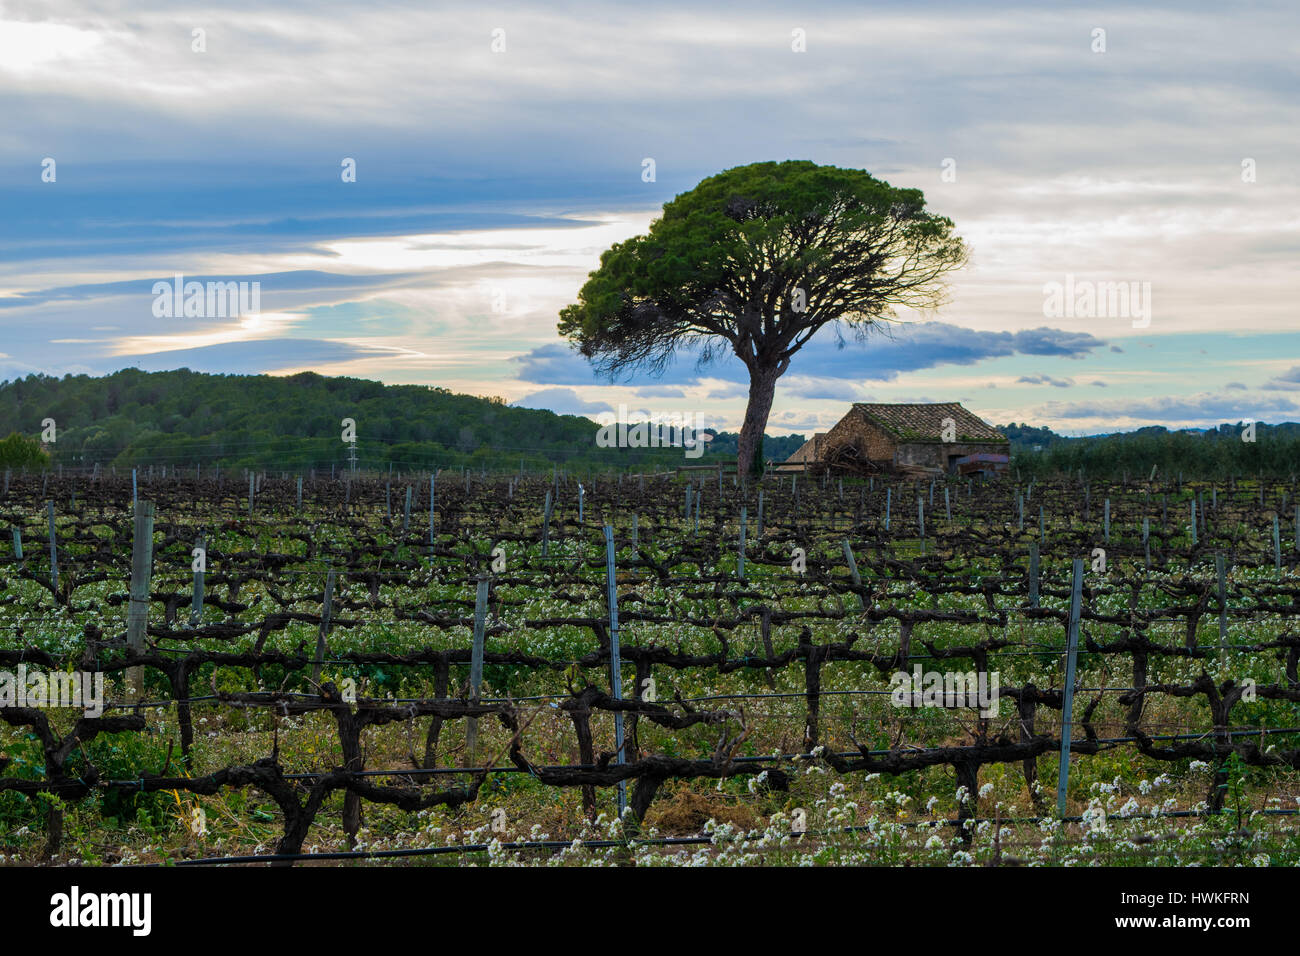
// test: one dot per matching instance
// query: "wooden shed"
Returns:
(907, 439)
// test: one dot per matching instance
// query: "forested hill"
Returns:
(184, 418)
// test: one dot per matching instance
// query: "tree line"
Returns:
(183, 418)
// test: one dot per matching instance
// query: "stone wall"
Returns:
(871, 441)
(939, 454)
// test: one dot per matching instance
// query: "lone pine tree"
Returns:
(755, 261)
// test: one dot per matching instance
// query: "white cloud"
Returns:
(563, 401)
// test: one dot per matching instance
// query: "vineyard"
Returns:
(542, 669)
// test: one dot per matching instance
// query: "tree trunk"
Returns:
(762, 389)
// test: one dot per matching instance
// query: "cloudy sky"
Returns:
(209, 141)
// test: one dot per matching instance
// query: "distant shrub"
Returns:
(22, 451)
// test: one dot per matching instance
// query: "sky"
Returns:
(498, 149)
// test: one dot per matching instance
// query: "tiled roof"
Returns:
(925, 422)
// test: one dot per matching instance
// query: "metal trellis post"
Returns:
(476, 667)
(1067, 709)
(615, 664)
